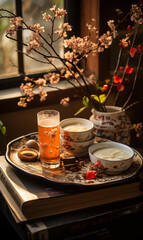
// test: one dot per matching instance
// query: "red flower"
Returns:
(129, 69)
(132, 52)
(90, 175)
(105, 87)
(117, 79)
(129, 28)
(120, 87)
(121, 68)
(140, 48)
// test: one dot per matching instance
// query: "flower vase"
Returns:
(113, 124)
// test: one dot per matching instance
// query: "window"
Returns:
(14, 64)
(7, 53)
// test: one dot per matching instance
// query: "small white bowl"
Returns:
(83, 129)
(112, 166)
(78, 149)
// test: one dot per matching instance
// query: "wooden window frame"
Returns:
(72, 17)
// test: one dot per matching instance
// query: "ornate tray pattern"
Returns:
(68, 176)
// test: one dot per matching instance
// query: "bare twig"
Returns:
(127, 62)
(115, 71)
(134, 83)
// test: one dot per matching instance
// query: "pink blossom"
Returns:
(36, 37)
(63, 71)
(91, 28)
(37, 28)
(41, 81)
(68, 74)
(65, 101)
(47, 17)
(43, 94)
(79, 45)
(100, 49)
(60, 12)
(22, 103)
(69, 56)
(26, 78)
(68, 64)
(54, 78)
(17, 21)
(112, 27)
(76, 75)
(137, 14)
(28, 90)
(46, 76)
(11, 30)
(64, 28)
(53, 9)
(106, 39)
(60, 32)
(33, 45)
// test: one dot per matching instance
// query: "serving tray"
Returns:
(71, 176)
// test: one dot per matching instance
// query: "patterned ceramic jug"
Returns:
(113, 124)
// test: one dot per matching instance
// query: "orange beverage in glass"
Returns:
(49, 138)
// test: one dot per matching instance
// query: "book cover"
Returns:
(92, 223)
(37, 199)
(83, 224)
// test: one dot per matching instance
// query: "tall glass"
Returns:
(49, 138)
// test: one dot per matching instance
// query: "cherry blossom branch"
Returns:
(58, 56)
(35, 59)
(127, 62)
(115, 71)
(52, 33)
(5, 16)
(78, 49)
(37, 29)
(43, 55)
(134, 83)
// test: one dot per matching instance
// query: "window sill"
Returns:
(10, 97)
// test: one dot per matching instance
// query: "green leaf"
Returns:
(102, 98)
(80, 110)
(95, 97)
(3, 130)
(1, 124)
(85, 101)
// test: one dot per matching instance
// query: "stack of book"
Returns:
(53, 212)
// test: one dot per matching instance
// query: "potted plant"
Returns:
(110, 122)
